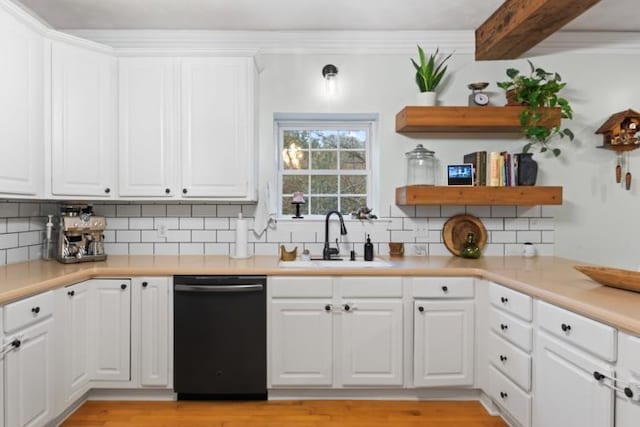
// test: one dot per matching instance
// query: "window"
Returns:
(330, 162)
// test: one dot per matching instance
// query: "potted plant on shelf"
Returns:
(429, 74)
(538, 92)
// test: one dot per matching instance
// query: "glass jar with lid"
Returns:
(421, 166)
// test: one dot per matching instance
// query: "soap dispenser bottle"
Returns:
(368, 249)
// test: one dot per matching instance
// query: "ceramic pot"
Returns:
(427, 99)
(527, 169)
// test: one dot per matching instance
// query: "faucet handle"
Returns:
(338, 246)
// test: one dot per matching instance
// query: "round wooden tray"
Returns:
(454, 233)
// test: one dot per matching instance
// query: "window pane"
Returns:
(322, 205)
(352, 160)
(350, 205)
(301, 138)
(324, 160)
(353, 184)
(291, 183)
(324, 139)
(353, 139)
(324, 184)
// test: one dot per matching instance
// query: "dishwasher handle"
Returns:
(257, 287)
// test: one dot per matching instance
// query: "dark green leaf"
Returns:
(556, 152)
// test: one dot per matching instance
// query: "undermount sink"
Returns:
(376, 263)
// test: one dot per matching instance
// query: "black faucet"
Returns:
(327, 251)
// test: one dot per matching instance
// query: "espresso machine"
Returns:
(79, 235)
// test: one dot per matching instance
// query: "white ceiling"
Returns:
(608, 15)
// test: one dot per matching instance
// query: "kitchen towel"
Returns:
(266, 210)
(242, 229)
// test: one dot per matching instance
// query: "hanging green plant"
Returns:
(430, 72)
(537, 91)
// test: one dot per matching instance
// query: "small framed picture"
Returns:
(460, 174)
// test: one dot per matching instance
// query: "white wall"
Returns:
(596, 223)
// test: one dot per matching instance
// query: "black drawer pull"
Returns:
(167, 190)
(504, 327)
(503, 358)
(145, 284)
(123, 286)
(445, 289)
(35, 310)
(504, 300)
(16, 343)
(421, 309)
(503, 395)
(347, 307)
(565, 327)
(327, 308)
(628, 392)
(71, 293)
(598, 376)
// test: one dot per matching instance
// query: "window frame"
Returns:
(368, 125)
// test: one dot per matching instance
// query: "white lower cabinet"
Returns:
(443, 352)
(567, 394)
(371, 343)
(301, 343)
(29, 382)
(110, 333)
(155, 330)
(628, 374)
(323, 333)
(73, 307)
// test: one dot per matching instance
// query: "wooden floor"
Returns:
(283, 414)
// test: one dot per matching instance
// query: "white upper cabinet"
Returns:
(217, 129)
(83, 107)
(21, 108)
(147, 125)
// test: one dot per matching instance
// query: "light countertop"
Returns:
(549, 278)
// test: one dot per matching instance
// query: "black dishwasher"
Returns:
(220, 337)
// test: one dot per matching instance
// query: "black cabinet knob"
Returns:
(503, 358)
(421, 309)
(503, 395)
(35, 310)
(107, 190)
(71, 293)
(167, 190)
(145, 284)
(504, 327)
(184, 191)
(565, 327)
(16, 343)
(123, 286)
(347, 307)
(327, 308)
(628, 392)
(598, 376)
(504, 300)
(445, 289)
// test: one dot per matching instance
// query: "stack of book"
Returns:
(494, 169)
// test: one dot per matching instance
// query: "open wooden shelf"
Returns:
(454, 195)
(619, 147)
(467, 119)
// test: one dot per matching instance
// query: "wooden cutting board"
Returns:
(614, 277)
(454, 233)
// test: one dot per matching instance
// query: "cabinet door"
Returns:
(110, 335)
(21, 108)
(371, 343)
(217, 127)
(301, 336)
(83, 107)
(147, 127)
(75, 319)
(443, 343)
(154, 330)
(628, 372)
(29, 377)
(567, 394)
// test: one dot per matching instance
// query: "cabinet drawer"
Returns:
(516, 331)
(300, 287)
(371, 287)
(442, 287)
(27, 311)
(592, 336)
(511, 361)
(511, 301)
(507, 395)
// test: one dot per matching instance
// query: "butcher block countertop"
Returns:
(551, 279)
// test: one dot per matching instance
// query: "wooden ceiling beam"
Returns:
(519, 25)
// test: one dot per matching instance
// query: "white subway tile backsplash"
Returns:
(271, 249)
(529, 236)
(35, 252)
(548, 236)
(204, 210)
(216, 249)
(141, 223)
(116, 248)
(3, 257)
(513, 249)
(178, 236)
(141, 249)
(15, 225)
(479, 211)
(493, 223)
(216, 223)
(117, 223)
(29, 238)
(278, 235)
(29, 209)
(249, 210)
(154, 210)
(402, 211)
(9, 210)
(436, 223)
(179, 210)
(541, 224)
(17, 255)
(3, 225)
(516, 224)
(191, 223)
(128, 210)
(36, 223)
(309, 236)
(226, 236)
(105, 210)
(127, 236)
(545, 250)
(8, 240)
(168, 223)
(166, 249)
(438, 249)
(427, 211)
(402, 236)
(529, 211)
(503, 237)
(203, 236)
(110, 236)
(449, 211)
(503, 211)
(231, 211)
(191, 248)
(151, 236)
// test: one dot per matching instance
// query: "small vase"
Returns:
(527, 169)
(470, 248)
(427, 99)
